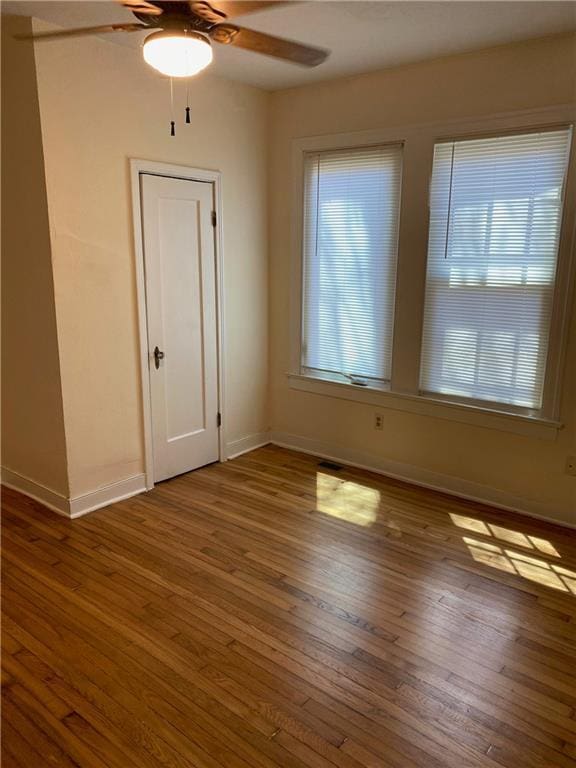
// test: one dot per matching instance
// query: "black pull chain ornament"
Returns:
(188, 101)
(188, 119)
(172, 122)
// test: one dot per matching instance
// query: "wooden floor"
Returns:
(274, 612)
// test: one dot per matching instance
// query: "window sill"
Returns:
(520, 424)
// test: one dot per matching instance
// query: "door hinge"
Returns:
(218, 419)
(213, 218)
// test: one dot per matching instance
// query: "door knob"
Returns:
(158, 355)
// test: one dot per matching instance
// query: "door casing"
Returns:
(138, 167)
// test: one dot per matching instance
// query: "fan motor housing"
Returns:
(175, 19)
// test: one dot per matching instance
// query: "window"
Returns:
(458, 308)
(351, 211)
(495, 215)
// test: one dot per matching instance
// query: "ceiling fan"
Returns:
(181, 46)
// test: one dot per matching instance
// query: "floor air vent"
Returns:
(330, 465)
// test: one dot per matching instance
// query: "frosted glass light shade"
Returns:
(177, 54)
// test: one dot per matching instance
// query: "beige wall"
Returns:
(33, 444)
(101, 105)
(524, 76)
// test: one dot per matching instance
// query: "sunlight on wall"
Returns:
(346, 500)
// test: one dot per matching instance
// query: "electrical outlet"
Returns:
(571, 465)
(378, 421)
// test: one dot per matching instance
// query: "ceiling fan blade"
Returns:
(259, 42)
(141, 6)
(80, 31)
(232, 8)
(205, 11)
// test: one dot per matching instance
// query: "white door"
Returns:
(181, 311)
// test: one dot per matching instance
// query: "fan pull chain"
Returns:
(187, 84)
(172, 122)
(187, 102)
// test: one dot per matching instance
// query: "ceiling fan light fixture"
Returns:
(177, 53)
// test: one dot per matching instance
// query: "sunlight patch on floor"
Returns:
(517, 538)
(346, 500)
(489, 554)
(531, 568)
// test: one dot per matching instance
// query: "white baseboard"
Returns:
(245, 444)
(131, 486)
(409, 473)
(78, 505)
(55, 501)
(109, 494)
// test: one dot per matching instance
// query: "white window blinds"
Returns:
(351, 211)
(495, 214)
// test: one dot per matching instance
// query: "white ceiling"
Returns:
(363, 36)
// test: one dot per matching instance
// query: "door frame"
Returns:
(168, 170)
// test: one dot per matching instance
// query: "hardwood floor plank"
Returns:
(269, 612)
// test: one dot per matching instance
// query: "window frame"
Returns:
(495, 404)
(380, 384)
(403, 392)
